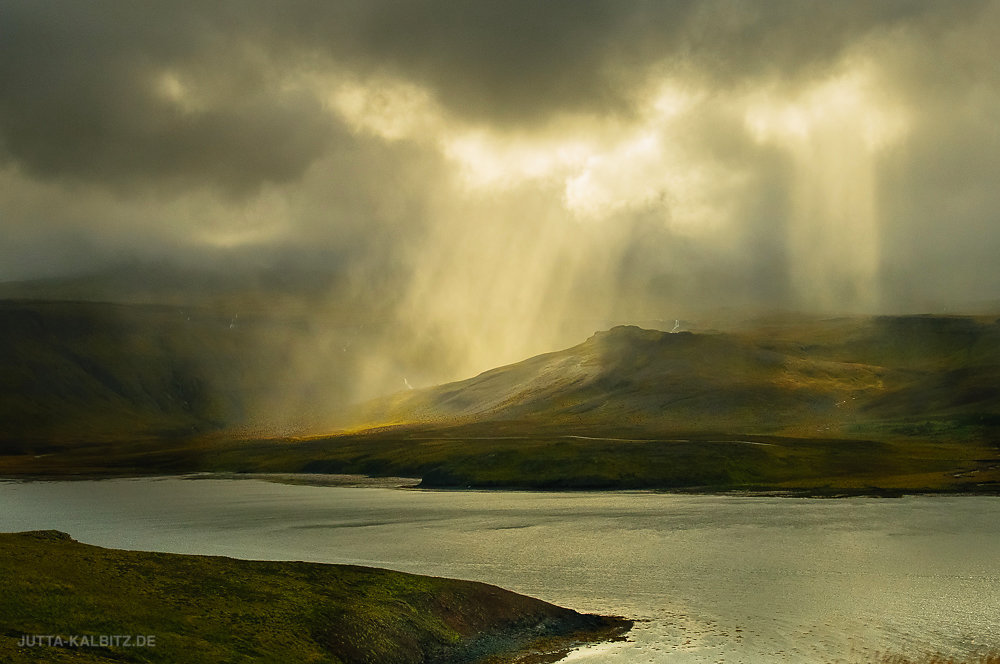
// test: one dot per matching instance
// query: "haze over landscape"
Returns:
(437, 190)
(704, 260)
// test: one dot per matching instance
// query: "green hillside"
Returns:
(91, 372)
(212, 609)
(100, 371)
(838, 378)
(859, 404)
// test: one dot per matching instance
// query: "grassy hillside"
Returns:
(520, 456)
(856, 378)
(211, 609)
(100, 371)
(86, 372)
(850, 404)
(857, 404)
(628, 376)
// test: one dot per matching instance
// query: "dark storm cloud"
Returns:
(182, 96)
(80, 80)
(519, 61)
(214, 139)
(83, 97)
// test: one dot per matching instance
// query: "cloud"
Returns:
(502, 177)
(168, 92)
(523, 62)
(940, 222)
(129, 96)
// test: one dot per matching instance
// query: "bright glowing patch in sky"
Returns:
(498, 162)
(624, 176)
(169, 87)
(648, 168)
(389, 109)
(850, 101)
(602, 167)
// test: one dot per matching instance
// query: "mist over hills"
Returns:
(96, 371)
(825, 376)
(92, 387)
(156, 350)
(77, 372)
(864, 405)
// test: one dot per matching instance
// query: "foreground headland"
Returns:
(67, 601)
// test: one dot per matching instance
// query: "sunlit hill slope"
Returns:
(856, 404)
(853, 405)
(841, 377)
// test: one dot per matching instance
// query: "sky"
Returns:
(499, 175)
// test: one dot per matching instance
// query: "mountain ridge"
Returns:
(644, 376)
(851, 404)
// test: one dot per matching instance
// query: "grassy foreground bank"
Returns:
(214, 609)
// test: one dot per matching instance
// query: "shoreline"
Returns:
(360, 481)
(234, 607)
(521, 540)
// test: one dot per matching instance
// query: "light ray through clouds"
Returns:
(496, 180)
(835, 132)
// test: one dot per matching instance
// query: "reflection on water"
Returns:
(710, 578)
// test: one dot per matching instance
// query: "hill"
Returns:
(855, 405)
(212, 609)
(835, 378)
(860, 404)
(96, 372)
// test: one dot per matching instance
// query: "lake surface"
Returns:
(712, 578)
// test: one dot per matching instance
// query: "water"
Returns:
(711, 578)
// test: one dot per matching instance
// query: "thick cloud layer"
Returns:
(509, 174)
(173, 90)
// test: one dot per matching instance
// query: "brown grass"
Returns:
(938, 659)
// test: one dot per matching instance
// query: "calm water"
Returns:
(714, 578)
